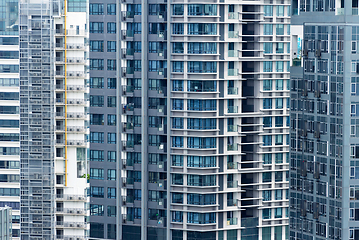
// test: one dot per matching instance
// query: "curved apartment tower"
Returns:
(203, 141)
(53, 119)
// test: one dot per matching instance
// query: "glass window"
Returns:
(111, 211)
(267, 103)
(278, 121)
(279, 84)
(96, 173)
(266, 213)
(96, 64)
(267, 140)
(279, 158)
(111, 174)
(96, 119)
(177, 179)
(268, 10)
(177, 123)
(97, 155)
(96, 82)
(177, 9)
(279, 103)
(268, 29)
(111, 192)
(267, 121)
(111, 119)
(96, 27)
(279, 66)
(111, 83)
(267, 195)
(177, 66)
(268, 47)
(280, 11)
(111, 156)
(267, 66)
(202, 9)
(267, 85)
(111, 9)
(202, 28)
(96, 210)
(96, 46)
(111, 46)
(177, 104)
(177, 47)
(279, 29)
(280, 47)
(111, 138)
(267, 158)
(96, 101)
(177, 197)
(177, 160)
(201, 142)
(177, 141)
(96, 137)
(111, 101)
(267, 177)
(177, 85)
(111, 64)
(202, 48)
(177, 28)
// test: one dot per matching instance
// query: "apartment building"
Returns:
(202, 119)
(324, 145)
(54, 119)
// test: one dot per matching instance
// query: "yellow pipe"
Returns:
(65, 84)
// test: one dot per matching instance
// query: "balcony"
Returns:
(232, 53)
(128, 90)
(76, 129)
(296, 62)
(233, 15)
(75, 46)
(233, 109)
(82, 143)
(75, 88)
(71, 211)
(76, 115)
(232, 165)
(75, 225)
(233, 34)
(232, 91)
(232, 221)
(340, 11)
(231, 202)
(232, 128)
(74, 101)
(233, 72)
(232, 184)
(76, 60)
(76, 74)
(232, 147)
(70, 197)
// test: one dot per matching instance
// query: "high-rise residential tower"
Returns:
(324, 121)
(53, 119)
(202, 103)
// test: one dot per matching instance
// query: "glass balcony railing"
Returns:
(232, 147)
(130, 33)
(232, 91)
(233, 34)
(232, 128)
(232, 184)
(354, 11)
(232, 221)
(232, 53)
(233, 15)
(130, 70)
(297, 62)
(233, 109)
(130, 144)
(232, 72)
(340, 11)
(295, 11)
(130, 51)
(231, 202)
(232, 165)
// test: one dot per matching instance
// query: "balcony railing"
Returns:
(232, 165)
(233, 72)
(232, 53)
(233, 109)
(232, 184)
(233, 15)
(232, 91)
(233, 34)
(232, 221)
(232, 128)
(232, 147)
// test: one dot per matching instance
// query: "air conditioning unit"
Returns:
(70, 198)
(78, 47)
(78, 143)
(79, 225)
(70, 60)
(123, 17)
(71, 102)
(78, 60)
(71, 47)
(71, 88)
(71, 225)
(78, 74)
(71, 143)
(78, 89)
(70, 74)
(71, 211)
(79, 212)
(78, 129)
(71, 115)
(78, 115)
